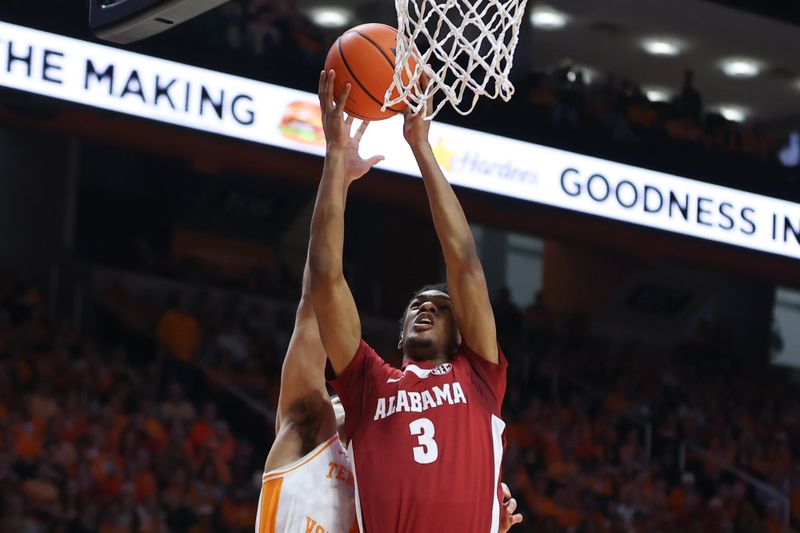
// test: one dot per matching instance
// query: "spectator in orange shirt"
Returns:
(684, 500)
(178, 332)
(28, 440)
(202, 431)
(226, 443)
(151, 426)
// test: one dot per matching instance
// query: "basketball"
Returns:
(364, 56)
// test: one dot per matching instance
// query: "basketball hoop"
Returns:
(465, 49)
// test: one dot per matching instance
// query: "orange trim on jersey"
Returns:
(354, 529)
(270, 494)
(279, 473)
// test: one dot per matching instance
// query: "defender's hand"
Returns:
(507, 516)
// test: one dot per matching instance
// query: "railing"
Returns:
(763, 487)
(257, 418)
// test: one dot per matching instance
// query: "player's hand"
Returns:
(338, 129)
(507, 516)
(415, 127)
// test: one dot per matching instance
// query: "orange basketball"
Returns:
(364, 56)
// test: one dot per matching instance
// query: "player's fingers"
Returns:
(349, 122)
(516, 519)
(424, 80)
(323, 82)
(374, 160)
(506, 491)
(341, 98)
(361, 129)
(511, 506)
(329, 90)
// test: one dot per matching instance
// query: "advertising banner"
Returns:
(165, 91)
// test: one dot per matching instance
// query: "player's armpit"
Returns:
(307, 422)
(472, 307)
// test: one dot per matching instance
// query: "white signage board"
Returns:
(173, 93)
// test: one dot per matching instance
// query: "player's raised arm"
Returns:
(339, 324)
(465, 278)
(305, 417)
(303, 402)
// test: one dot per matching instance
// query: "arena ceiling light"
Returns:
(548, 18)
(734, 113)
(741, 67)
(331, 16)
(662, 46)
(657, 94)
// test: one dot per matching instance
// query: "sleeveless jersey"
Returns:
(313, 494)
(426, 442)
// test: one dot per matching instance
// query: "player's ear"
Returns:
(400, 343)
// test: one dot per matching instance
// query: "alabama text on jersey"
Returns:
(426, 442)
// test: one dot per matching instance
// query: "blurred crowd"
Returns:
(597, 433)
(102, 436)
(600, 439)
(627, 113)
(94, 438)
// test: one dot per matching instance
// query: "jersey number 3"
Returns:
(427, 451)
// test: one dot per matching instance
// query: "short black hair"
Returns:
(441, 287)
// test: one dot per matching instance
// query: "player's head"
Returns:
(338, 411)
(428, 328)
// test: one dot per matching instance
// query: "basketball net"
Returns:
(465, 48)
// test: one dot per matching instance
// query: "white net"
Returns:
(465, 48)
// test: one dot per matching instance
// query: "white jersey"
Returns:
(314, 494)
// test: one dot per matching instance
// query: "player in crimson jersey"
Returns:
(308, 483)
(426, 441)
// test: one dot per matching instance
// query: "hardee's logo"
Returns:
(443, 155)
(474, 162)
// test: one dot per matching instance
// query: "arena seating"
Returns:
(118, 429)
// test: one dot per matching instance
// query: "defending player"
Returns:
(426, 442)
(308, 484)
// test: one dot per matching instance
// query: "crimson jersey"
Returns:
(426, 442)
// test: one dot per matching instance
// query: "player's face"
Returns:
(429, 329)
